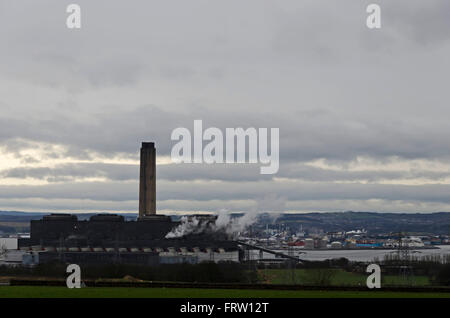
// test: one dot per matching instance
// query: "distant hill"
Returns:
(375, 223)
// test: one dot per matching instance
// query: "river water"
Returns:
(365, 255)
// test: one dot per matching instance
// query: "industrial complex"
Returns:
(106, 238)
(153, 239)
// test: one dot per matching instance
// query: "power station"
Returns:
(108, 238)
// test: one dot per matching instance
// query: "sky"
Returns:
(363, 113)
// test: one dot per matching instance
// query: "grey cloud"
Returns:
(425, 23)
(302, 137)
(204, 191)
(74, 171)
(132, 73)
(217, 172)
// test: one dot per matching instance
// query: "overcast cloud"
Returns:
(363, 114)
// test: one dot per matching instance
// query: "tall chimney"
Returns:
(147, 181)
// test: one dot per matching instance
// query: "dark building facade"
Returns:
(150, 259)
(111, 230)
(99, 230)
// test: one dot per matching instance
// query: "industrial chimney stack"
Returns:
(147, 181)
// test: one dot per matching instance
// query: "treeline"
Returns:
(206, 272)
(320, 272)
(342, 263)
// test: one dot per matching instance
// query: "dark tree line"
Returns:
(203, 272)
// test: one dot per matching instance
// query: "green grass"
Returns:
(118, 292)
(340, 278)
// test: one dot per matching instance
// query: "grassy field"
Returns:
(339, 278)
(117, 292)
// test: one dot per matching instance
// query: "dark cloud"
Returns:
(205, 191)
(303, 136)
(221, 172)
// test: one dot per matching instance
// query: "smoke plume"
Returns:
(225, 223)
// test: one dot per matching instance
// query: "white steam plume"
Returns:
(232, 226)
(224, 222)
